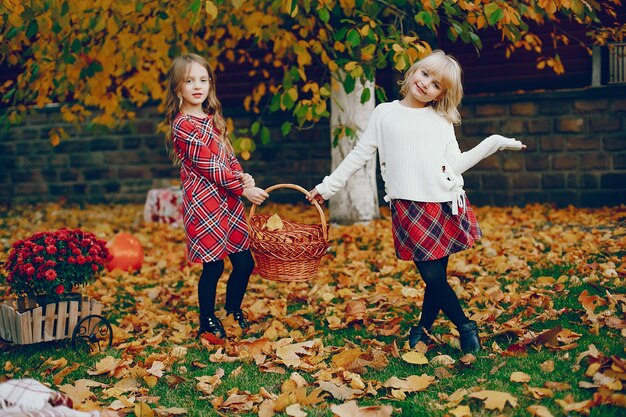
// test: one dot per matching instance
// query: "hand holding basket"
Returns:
(292, 253)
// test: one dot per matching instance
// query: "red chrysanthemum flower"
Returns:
(49, 263)
(50, 274)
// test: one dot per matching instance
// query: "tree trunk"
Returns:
(358, 201)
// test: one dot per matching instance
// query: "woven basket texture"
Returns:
(290, 254)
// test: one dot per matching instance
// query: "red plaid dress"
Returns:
(213, 213)
(429, 231)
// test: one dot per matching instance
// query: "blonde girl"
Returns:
(421, 165)
(213, 182)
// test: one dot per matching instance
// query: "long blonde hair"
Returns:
(177, 73)
(448, 71)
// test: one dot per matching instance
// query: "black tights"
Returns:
(438, 294)
(243, 264)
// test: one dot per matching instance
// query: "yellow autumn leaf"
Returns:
(274, 222)
(412, 383)
(80, 391)
(495, 399)
(416, 358)
(539, 393)
(351, 409)
(106, 365)
(55, 138)
(539, 411)
(461, 411)
(343, 358)
(547, 366)
(288, 354)
(294, 410)
(143, 410)
(398, 394)
(350, 66)
(520, 377)
(210, 9)
(151, 380)
(339, 392)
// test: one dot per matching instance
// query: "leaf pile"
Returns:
(545, 285)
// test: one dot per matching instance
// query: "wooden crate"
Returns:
(34, 326)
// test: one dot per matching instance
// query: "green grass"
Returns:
(371, 276)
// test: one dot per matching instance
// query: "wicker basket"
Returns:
(293, 253)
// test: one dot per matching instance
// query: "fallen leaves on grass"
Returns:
(509, 281)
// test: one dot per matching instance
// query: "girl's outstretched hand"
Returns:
(255, 195)
(314, 195)
(247, 180)
(504, 143)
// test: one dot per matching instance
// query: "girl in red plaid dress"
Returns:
(421, 164)
(213, 183)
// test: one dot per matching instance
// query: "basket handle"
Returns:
(303, 191)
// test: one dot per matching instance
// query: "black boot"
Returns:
(468, 332)
(213, 325)
(416, 335)
(241, 317)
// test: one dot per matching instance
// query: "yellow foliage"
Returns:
(114, 52)
(210, 9)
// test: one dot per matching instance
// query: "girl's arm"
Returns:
(364, 150)
(462, 161)
(204, 158)
(234, 163)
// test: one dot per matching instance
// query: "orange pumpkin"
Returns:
(126, 251)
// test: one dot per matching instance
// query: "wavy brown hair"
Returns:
(176, 75)
(448, 70)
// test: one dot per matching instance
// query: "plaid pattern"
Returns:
(429, 231)
(213, 213)
(30, 398)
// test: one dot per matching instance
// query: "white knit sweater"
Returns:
(420, 159)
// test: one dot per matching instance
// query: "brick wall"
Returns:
(576, 154)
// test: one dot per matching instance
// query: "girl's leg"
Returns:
(207, 286)
(438, 295)
(430, 306)
(243, 264)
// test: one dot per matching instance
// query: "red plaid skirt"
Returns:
(428, 231)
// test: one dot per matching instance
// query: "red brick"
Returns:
(540, 126)
(526, 181)
(537, 162)
(584, 144)
(605, 124)
(615, 143)
(513, 163)
(594, 161)
(552, 143)
(564, 162)
(490, 163)
(488, 110)
(513, 127)
(551, 181)
(571, 125)
(586, 106)
(523, 109)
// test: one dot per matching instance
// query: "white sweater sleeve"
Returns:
(462, 161)
(364, 150)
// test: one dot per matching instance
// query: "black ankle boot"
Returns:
(241, 317)
(468, 332)
(416, 335)
(213, 325)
